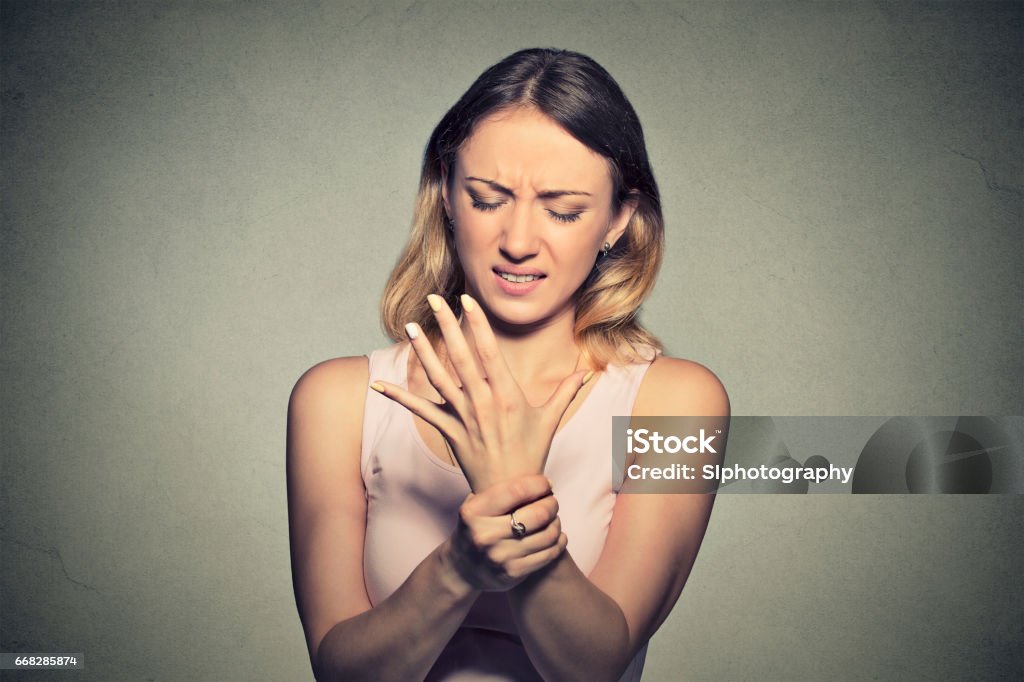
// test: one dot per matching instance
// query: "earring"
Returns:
(450, 224)
(605, 249)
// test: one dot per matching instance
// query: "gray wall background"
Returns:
(201, 200)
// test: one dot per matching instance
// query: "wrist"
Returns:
(490, 478)
(452, 580)
(547, 577)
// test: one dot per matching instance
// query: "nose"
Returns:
(519, 239)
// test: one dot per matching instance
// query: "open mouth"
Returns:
(509, 277)
(517, 281)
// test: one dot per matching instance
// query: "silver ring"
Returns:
(518, 529)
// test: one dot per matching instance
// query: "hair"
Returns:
(578, 94)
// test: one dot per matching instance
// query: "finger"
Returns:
(493, 362)
(508, 550)
(428, 410)
(459, 352)
(535, 517)
(559, 401)
(524, 566)
(505, 496)
(436, 372)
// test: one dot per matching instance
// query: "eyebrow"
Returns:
(545, 194)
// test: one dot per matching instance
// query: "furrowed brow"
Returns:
(544, 194)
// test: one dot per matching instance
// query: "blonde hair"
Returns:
(582, 97)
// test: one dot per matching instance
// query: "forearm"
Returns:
(400, 638)
(570, 628)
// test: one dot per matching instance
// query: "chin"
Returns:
(513, 313)
(519, 313)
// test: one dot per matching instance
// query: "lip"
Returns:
(517, 288)
(517, 270)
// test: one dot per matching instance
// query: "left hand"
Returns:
(494, 433)
(485, 552)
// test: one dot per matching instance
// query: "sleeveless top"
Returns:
(413, 500)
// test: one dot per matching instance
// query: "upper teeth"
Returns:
(518, 278)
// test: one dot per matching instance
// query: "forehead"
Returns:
(524, 146)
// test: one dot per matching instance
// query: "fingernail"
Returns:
(589, 375)
(435, 302)
(468, 304)
(377, 386)
(551, 484)
(412, 330)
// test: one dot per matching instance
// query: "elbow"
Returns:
(316, 663)
(617, 653)
(337, 659)
(612, 654)
(325, 671)
(624, 647)
(598, 656)
(623, 652)
(323, 663)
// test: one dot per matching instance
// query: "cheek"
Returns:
(580, 246)
(576, 257)
(473, 244)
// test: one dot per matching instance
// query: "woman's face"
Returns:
(530, 203)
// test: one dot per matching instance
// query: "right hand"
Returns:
(483, 549)
(493, 430)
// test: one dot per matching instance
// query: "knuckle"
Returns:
(552, 506)
(535, 521)
(544, 514)
(487, 352)
(552, 533)
(518, 490)
(466, 515)
(478, 538)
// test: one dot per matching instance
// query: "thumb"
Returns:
(559, 401)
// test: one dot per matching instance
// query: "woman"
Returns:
(451, 510)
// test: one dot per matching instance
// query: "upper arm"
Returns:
(653, 539)
(326, 498)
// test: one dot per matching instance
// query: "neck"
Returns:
(545, 352)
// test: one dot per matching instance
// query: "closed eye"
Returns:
(564, 217)
(486, 207)
(483, 206)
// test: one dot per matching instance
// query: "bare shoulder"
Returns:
(331, 383)
(674, 386)
(325, 413)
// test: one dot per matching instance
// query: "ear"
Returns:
(622, 218)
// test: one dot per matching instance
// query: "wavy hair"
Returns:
(578, 94)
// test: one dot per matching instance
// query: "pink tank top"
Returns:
(413, 500)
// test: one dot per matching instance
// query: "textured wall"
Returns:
(201, 200)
